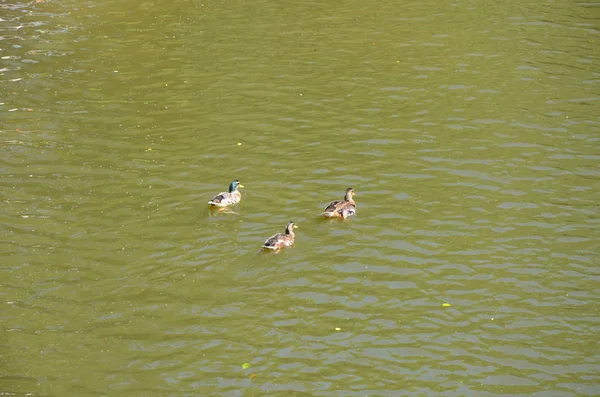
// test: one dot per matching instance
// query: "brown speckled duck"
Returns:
(281, 240)
(342, 208)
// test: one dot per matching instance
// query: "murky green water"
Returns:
(470, 131)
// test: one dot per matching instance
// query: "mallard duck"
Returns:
(281, 240)
(342, 208)
(224, 199)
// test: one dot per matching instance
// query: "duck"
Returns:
(342, 208)
(281, 240)
(225, 199)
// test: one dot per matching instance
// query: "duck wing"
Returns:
(272, 241)
(333, 206)
(218, 199)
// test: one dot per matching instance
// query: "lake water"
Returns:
(469, 130)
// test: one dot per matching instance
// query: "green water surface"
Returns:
(470, 131)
